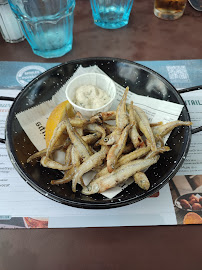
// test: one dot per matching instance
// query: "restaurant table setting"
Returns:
(50, 61)
(183, 74)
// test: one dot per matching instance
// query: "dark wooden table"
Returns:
(144, 38)
(160, 247)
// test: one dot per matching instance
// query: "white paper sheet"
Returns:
(193, 162)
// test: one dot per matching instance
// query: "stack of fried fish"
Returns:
(114, 152)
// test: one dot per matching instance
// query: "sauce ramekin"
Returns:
(99, 80)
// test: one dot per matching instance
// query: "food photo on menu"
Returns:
(23, 222)
(186, 191)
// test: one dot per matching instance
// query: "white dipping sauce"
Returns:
(91, 97)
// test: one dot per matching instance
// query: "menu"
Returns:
(23, 207)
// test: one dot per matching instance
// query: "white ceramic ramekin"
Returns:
(99, 80)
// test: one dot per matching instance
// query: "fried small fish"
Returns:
(162, 130)
(117, 149)
(144, 126)
(134, 134)
(141, 180)
(92, 162)
(118, 176)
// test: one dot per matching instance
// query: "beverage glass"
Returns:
(47, 25)
(169, 9)
(111, 14)
(9, 26)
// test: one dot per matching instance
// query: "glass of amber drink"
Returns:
(169, 9)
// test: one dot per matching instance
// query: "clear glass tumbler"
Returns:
(9, 26)
(47, 25)
(169, 10)
(111, 14)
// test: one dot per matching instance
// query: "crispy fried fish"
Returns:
(162, 130)
(134, 134)
(80, 145)
(117, 149)
(121, 122)
(144, 126)
(138, 153)
(92, 162)
(118, 176)
(141, 180)
(103, 116)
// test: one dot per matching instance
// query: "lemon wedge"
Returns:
(59, 113)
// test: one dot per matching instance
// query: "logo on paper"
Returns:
(178, 73)
(26, 74)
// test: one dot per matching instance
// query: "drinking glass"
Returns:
(47, 25)
(169, 9)
(111, 14)
(9, 26)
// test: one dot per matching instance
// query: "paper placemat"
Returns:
(21, 206)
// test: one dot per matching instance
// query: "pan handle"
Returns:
(9, 99)
(186, 90)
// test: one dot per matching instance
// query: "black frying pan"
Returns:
(142, 81)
